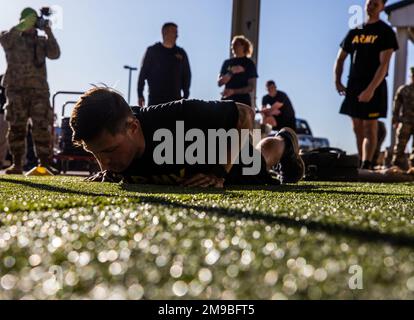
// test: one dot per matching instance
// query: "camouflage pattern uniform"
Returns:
(27, 90)
(403, 114)
(4, 126)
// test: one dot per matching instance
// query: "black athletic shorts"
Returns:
(375, 109)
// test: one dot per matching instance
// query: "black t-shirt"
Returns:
(240, 80)
(287, 117)
(365, 45)
(168, 73)
(196, 114)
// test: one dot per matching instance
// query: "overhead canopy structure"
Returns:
(401, 16)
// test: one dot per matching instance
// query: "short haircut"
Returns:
(270, 83)
(247, 45)
(168, 25)
(97, 110)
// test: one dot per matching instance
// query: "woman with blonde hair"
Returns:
(239, 73)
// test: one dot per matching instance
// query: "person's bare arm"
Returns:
(338, 71)
(245, 90)
(224, 79)
(368, 93)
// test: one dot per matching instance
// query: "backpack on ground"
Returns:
(330, 164)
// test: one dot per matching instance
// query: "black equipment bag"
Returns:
(330, 164)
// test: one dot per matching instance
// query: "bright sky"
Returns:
(299, 40)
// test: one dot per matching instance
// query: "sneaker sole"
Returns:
(294, 139)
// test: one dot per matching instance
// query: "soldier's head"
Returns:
(103, 123)
(241, 46)
(170, 33)
(375, 7)
(271, 87)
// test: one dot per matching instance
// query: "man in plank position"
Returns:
(128, 144)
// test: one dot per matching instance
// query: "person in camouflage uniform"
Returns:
(27, 89)
(403, 121)
(4, 126)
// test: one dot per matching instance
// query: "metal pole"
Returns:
(130, 69)
(246, 21)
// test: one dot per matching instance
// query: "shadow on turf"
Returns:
(330, 228)
(47, 187)
(154, 189)
(319, 189)
(335, 229)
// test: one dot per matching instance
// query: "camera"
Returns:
(42, 22)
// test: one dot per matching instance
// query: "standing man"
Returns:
(27, 89)
(4, 126)
(166, 68)
(277, 108)
(403, 121)
(371, 47)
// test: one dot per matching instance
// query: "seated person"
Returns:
(277, 110)
(127, 144)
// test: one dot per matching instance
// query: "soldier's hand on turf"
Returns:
(204, 181)
(104, 176)
(341, 88)
(366, 96)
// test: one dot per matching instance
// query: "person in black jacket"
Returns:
(166, 69)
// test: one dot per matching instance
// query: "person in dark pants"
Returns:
(166, 69)
(371, 47)
(239, 74)
(277, 108)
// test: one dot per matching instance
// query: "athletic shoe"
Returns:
(292, 167)
(13, 169)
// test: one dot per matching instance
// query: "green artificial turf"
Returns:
(64, 238)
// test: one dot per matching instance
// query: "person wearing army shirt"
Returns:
(27, 89)
(371, 47)
(403, 121)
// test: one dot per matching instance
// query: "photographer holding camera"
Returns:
(26, 85)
